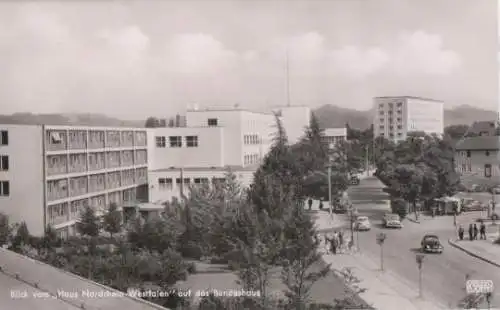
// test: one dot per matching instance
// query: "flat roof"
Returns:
(208, 169)
(32, 273)
(226, 110)
(408, 97)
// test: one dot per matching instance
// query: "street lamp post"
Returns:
(380, 241)
(420, 260)
(330, 160)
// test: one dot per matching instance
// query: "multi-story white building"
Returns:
(213, 142)
(49, 173)
(335, 135)
(395, 117)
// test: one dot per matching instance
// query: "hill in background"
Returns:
(330, 116)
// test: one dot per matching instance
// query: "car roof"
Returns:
(431, 236)
(362, 217)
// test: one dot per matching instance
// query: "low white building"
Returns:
(213, 142)
(335, 135)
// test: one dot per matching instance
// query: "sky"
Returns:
(132, 59)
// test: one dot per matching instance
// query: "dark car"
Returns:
(431, 244)
(354, 180)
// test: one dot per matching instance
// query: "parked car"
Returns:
(431, 244)
(476, 188)
(470, 205)
(392, 220)
(355, 180)
(362, 223)
(495, 190)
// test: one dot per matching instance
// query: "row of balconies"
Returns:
(57, 140)
(59, 189)
(74, 163)
(63, 212)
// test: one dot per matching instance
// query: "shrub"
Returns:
(191, 251)
(191, 268)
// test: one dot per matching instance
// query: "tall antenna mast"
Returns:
(287, 79)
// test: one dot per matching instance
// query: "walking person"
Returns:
(310, 203)
(471, 232)
(482, 231)
(476, 231)
(341, 241)
(334, 243)
(461, 233)
(326, 244)
(321, 205)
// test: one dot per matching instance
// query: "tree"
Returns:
(152, 122)
(4, 229)
(279, 168)
(457, 131)
(300, 257)
(156, 235)
(89, 223)
(22, 236)
(113, 220)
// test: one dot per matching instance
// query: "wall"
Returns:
(474, 165)
(231, 120)
(425, 115)
(208, 153)
(25, 174)
(161, 193)
(295, 120)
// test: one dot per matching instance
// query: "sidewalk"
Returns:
(484, 250)
(384, 290)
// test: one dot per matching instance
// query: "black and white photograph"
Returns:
(260, 155)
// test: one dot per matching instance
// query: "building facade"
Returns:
(294, 119)
(335, 135)
(55, 171)
(213, 142)
(395, 117)
(477, 159)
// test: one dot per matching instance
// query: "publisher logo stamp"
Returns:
(479, 286)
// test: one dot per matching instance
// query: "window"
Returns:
(175, 141)
(381, 112)
(161, 142)
(381, 127)
(4, 137)
(212, 122)
(4, 163)
(487, 153)
(187, 180)
(400, 127)
(487, 170)
(192, 141)
(400, 104)
(4, 188)
(468, 154)
(165, 183)
(381, 105)
(55, 138)
(178, 181)
(197, 181)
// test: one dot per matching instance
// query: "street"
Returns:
(443, 274)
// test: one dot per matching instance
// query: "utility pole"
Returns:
(380, 241)
(367, 164)
(420, 260)
(330, 160)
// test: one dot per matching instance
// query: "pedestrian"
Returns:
(321, 205)
(341, 241)
(475, 232)
(461, 232)
(471, 232)
(326, 243)
(482, 231)
(334, 244)
(310, 203)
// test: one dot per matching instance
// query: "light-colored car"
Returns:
(392, 221)
(362, 223)
(473, 205)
